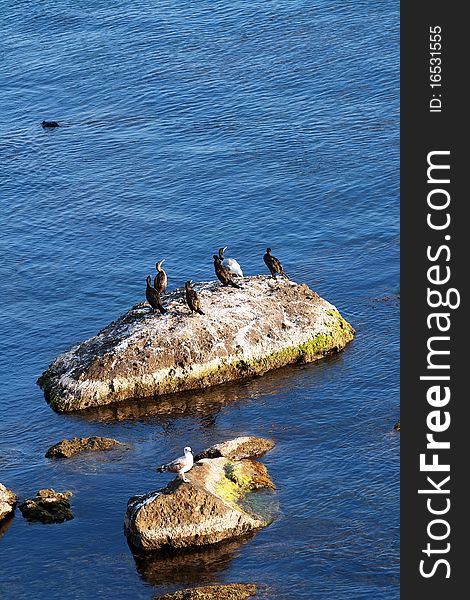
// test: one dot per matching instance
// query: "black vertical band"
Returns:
(434, 327)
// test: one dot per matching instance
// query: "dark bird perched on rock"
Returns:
(180, 465)
(231, 264)
(273, 264)
(50, 124)
(153, 297)
(223, 274)
(192, 298)
(161, 280)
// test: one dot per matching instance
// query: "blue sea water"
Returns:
(186, 126)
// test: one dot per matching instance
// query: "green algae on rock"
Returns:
(244, 332)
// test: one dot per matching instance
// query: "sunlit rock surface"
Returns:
(229, 591)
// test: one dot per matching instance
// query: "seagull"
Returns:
(274, 264)
(231, 264)
(161, 280)
(180, 465)
(153, 297)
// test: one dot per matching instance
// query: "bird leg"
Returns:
(183, 477)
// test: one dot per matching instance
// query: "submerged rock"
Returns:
(397, 426)
(68, 448)
(48, 506)
(230, 591)
(7, 502)
(244, 332)
(201, 512)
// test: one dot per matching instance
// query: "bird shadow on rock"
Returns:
(190, 566)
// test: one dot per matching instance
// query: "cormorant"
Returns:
(50, 124)
(273, 264)
(180, 465)
(223, 274)
(161, 280)
(192, 298)
(231, 264)
(153, 297)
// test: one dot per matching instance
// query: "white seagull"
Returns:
(180, 465)
(231, 264)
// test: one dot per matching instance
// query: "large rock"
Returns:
(244, 332)
(199, 513)
(48, 506)
(7, 501)
(230, 591)
(68, 448)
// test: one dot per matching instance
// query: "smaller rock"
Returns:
(397, 426)
(238, 448)
(231, 591)
(201, 512)
(68, 448)
(7, 501)
(48, 506)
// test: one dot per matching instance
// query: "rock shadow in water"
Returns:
(183, 567)
(202, 404)
(5, 524)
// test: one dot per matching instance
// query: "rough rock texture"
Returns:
(202, 512)
(238, 448)
(68, 448)
(48, 506)
(244, 332)
(231, 591)
(7, 501)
